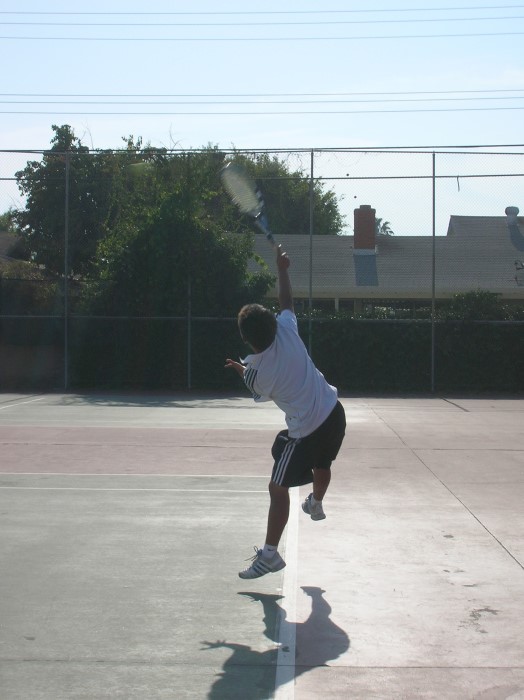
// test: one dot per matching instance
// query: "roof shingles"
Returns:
(477, 253)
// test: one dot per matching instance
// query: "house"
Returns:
(478, 252)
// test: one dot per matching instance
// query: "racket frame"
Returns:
(256, 208)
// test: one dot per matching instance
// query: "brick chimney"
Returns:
(364, 230)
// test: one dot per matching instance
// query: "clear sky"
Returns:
(283, 74)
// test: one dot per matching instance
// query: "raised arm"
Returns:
(285, 294)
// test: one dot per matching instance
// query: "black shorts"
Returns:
(295, 458)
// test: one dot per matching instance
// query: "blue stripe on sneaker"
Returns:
(261, 567)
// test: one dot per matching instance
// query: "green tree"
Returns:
(478, 305)
(108, 187)
(383, 228)
(287, 196)
(16, 247)
(6, 220)
(42, 223)
(147, 270)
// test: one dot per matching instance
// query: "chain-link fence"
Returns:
(429, 296)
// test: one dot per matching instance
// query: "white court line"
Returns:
(141, 476)
(285, 673)
(21, 403)
(95, 488)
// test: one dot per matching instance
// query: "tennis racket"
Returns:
(246, 196)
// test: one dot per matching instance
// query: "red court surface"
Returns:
(125, 519)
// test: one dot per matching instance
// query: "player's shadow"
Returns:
(249, 673)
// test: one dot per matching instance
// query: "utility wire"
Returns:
(259, 39)
(258, 23)
(262, 94)
(253, 102)
(266, 113)
(274, 12)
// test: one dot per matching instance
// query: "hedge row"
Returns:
(357, 356)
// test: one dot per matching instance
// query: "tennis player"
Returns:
(281, 370)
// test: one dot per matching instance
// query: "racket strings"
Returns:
(246, 196)
(242, 190)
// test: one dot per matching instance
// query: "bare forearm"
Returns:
(285, 293)
(237, 366)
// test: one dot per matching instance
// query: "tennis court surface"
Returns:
(124, 521)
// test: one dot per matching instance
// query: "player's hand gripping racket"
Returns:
(246, 196)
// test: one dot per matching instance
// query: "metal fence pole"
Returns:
(189, 204)
(311, 230)
(189, 340)
(433, 278)
(66, 271)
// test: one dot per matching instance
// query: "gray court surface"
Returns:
(124, 521)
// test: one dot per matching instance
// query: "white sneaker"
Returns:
(262, 566)
(315, 511)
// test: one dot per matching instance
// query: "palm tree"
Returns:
(383, 228)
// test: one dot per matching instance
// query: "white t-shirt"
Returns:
(285, 374)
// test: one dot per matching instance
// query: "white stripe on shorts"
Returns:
(284, 460)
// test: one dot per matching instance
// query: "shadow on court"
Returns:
(160, 399)
(251, 673)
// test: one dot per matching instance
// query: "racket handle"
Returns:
(267, 233)
(270, 238)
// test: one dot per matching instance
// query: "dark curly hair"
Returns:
(257, 326)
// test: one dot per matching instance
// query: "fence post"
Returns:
(188, 193)
(311, 230)
(433, 249)
(66, 270)
(189, 340)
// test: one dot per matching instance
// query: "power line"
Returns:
(271, 12)
(264, 113)
(259, 39)
(255, 102)
(259, 23)
(262, 94)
